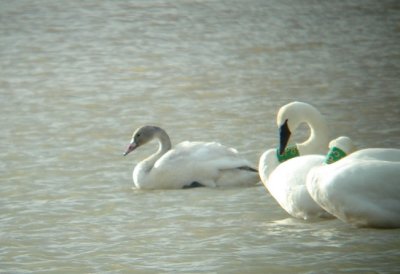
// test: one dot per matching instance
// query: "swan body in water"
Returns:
(287, 184)
(283, 171)
(362, 189)
(188, 164)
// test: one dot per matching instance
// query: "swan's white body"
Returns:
(287, 181)
(362, 189)
(287, 184)
(206, 164)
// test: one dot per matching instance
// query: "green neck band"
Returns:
(335, 154)
(289, 153)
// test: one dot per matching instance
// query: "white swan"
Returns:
(362, 189)
(189, 164)
(289, 118)
(285, 178)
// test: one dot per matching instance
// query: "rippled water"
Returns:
(78, 76)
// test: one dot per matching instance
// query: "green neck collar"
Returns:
(335, 154)
(289, 153)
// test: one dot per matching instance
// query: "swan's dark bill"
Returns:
(284, 135)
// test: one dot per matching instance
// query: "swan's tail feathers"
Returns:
(248, 168)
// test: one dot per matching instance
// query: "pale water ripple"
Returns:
(77, 77)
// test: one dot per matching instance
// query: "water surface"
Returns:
(77, 78)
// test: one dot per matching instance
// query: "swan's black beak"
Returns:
(131, 148)
(284, 135)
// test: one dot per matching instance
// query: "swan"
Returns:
(283, 171)
(189, 164)
(289, 118)
(362, 189)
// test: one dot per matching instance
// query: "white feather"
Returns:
(362, 189)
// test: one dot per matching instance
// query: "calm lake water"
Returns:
(77, 77)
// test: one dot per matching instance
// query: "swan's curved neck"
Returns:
(319, 135)
(164, 144)
(144, 167)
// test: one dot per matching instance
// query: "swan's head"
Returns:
(289, 118)
(140, 137)
(339, 148)
(344, 143)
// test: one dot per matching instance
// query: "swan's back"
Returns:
(383, 154)
(210, 164)
(202, 153)
(363, 192)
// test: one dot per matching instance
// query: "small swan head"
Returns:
(344, 143)
(141, 136)
(339, 148)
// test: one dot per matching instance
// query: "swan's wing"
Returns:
(362, 192)
(213, 155)
(293, 172)
(200, 162)
(287, 184)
